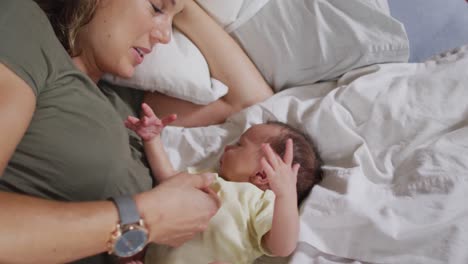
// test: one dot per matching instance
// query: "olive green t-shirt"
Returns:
(76, 147)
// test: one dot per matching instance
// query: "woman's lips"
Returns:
(138, 57)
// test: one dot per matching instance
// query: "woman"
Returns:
(64, 150)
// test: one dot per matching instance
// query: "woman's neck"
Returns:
(93, 72)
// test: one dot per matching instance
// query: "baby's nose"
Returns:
(227, 148)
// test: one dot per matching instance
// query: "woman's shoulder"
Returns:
(13, 8)
(29, 46)
(25, 22)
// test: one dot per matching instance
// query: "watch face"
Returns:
(130, 243)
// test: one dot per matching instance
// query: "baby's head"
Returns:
(241, 161)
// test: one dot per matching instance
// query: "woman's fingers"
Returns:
(181, 239)
(213, 195)
(202, 180)
(187, 208)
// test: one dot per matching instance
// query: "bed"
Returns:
(393, 135)
(394, 139)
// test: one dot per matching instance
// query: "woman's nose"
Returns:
(162, 31)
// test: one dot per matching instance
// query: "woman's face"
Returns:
(122, 32)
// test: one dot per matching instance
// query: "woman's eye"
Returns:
(156, 9)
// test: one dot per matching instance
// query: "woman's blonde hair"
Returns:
(67, 18)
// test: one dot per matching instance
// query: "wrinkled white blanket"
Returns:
(394, 138)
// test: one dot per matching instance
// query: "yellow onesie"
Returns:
(234, 234)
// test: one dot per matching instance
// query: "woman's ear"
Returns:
(260, 180)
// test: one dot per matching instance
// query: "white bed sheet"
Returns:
(394, 138)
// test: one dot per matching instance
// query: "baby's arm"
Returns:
(282, 238)
(149, 128)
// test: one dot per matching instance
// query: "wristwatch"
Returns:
(130, 235)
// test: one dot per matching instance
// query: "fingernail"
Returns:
(210, 176)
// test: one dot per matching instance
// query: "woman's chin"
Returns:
(124, 71)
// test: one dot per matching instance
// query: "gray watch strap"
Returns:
(128, 212)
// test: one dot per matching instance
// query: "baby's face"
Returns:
(241, 161)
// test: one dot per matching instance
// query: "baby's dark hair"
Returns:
(304, 153)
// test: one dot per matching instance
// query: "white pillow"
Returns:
(224, 12)
(177, 69)
(300, 42)
(292, 43)
(230, 14)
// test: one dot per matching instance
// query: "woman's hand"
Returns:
(149, 126)
(136, 259)
(227, 62)
(179, 208)
(281, 173)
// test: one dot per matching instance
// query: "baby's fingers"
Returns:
(272, 157)
(133, 120)
(267, 168)
(146, 110)
(295, 169)
(130, 125)
(168, 119)
(145, 121)
(288, 155)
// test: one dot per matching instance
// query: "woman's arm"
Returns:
(228, 63)
(17, 103)
(40, 231)
(33, 225)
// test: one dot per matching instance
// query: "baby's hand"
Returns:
(149, 126)
(281, 173)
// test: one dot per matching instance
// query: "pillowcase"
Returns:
(292, 43)
(300, 42)
(224, 12)
(177, 69)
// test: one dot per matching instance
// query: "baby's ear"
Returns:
(260, 180)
